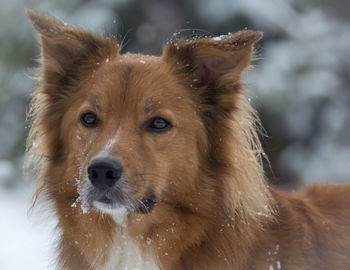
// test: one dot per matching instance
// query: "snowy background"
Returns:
(300, 87)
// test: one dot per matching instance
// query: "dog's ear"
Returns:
(211, 62)
(67, 49)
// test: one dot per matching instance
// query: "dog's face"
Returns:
(133, 128)
(135, 131)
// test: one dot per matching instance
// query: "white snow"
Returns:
(216, 38)
(6, 171)
(278, 265)
(26, 241)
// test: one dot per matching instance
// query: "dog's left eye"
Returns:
(89, 119)
(158, 124)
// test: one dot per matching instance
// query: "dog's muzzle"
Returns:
(108, 191)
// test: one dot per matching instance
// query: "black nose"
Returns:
(104, 173)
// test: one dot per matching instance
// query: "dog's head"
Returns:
(132, 132)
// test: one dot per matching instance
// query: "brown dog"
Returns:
(155, 162)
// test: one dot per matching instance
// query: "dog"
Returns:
(154, 162)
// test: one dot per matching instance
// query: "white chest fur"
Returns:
(125, 253)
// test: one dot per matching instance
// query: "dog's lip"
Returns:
(145, 206)
(105, 200)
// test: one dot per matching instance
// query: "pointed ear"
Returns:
(211, 61)
(67, 49)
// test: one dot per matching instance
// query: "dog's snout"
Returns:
(104, 173)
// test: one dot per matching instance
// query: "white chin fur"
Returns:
(118, 212)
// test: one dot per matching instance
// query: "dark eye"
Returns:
(89, 119)
(158, 124)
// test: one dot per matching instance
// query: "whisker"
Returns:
(144, 206)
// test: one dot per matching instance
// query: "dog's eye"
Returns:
(89, 119)
(158, 124)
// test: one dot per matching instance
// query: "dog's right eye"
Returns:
(89, 119)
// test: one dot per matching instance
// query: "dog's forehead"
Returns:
(135, 80)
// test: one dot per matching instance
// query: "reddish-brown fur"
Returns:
(214, 209)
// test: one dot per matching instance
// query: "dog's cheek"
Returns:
(180, 165)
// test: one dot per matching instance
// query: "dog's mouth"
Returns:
(105, 200)
(109, 201)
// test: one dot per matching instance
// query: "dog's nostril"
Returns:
(104, 173)
(111, 175)
(94, 174)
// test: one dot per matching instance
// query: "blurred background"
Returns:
(300, 87)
